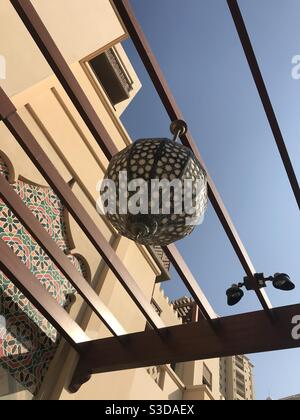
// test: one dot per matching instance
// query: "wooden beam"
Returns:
(55, 59)
(238, 334)
(190, 282)
(26, 217)
(35, 152)
(60, 67)
(63, 72)
(150, 62)
(58, 64)
(29, 285)
(264, 95)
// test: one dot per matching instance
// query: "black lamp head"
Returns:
(234, 295)
(283, 282)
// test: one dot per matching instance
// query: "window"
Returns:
(241, 393)
(240, 385)
(240, 377)
(207, 377)
(239, 361)
(112, 75)
(157, 309)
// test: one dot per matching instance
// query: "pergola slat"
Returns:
(29, 285)
(239, 334)
(35, 152)
(62, 71)
(247, 333)
(264, 95)
(26, 217)
(64, 74)
(135, 31)
(190, 282)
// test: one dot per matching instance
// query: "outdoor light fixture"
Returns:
(283, 282)
(280, 281)
(160, 187)
(234, 294)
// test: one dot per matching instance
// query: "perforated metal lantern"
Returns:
(155, 160)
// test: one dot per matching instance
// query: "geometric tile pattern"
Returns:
(28, 342)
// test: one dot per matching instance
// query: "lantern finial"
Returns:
(178, 128)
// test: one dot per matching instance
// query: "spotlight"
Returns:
(234, 294)
(283, 282)
(280, 281)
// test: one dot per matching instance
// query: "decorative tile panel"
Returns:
(28, 342)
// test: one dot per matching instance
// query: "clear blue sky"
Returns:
(200, 54)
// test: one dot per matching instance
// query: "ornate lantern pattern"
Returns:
(158, 159)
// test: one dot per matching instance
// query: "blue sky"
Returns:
(200, 54)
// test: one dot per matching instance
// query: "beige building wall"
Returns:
(79, 28)
(82, 29)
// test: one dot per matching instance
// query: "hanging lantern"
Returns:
(160, 190)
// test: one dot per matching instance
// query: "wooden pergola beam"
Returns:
(35, 152)
(55, 59)
(151, 64)
(39, 233)
(264, 95)
(239, 334)
(29, 285)
(190, 282)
